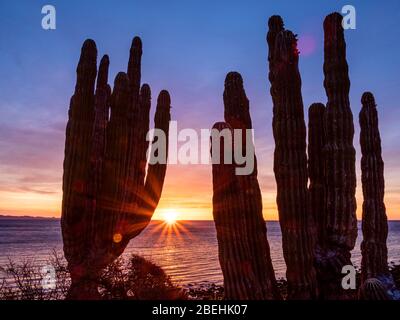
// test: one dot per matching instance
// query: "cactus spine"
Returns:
(290, 161)
(106, 201)
(244, 251)
(373, 289)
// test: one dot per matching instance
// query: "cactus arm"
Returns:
(275, 26)
(234, 253)
(290, 162)
(339, 159)
(110, 215)
(244, 252)
(374, 262)
(374, 219)
(101, 105)
(316, 143)
(137, 163)
(317, 186)
(134, 69)
(78, 201)
(141, 134)
(102, 108)
(156, 172)
(237, 116)
(150, 194)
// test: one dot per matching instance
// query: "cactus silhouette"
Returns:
(110, 191)
(317, 182)
(374, 220)
(316, 172)
(339, 159)
(318, 221)
(290, 161)
(374, 263)
(108, 197)
(244, 251)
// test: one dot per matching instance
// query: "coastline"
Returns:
(150, 280)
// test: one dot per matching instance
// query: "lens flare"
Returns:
(170, 216)
(169, 227)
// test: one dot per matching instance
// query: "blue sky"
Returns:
(188, 47)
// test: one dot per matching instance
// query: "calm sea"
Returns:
(188, 252)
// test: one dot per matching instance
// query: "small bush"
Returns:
(137, 278)
(25, 280)
(132, 278)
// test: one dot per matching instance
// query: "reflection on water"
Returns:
(187, 250)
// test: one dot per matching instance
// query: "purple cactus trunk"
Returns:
(339, 158)
(290, 162)
(244, 251)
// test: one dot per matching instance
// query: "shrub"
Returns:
(130, 278)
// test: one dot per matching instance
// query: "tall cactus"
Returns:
(316, 144)
(339, 159)
(317, 185)
(244, 251)
(290, 161)
(374, 262)
(106, 201)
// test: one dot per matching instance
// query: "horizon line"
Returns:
(155, 220)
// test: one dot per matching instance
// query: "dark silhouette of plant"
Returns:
(340, 223)
(316, 170)
(374, 223)
(108, 197)
(374, 263)
(130, 278)
(244, 251)
(290, 161)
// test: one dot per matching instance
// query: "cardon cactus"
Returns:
(106, 200)
(316, 143)
(244, 251)
(290, 161)
(339, 158)
(374, 262)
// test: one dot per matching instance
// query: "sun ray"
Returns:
(170, 227)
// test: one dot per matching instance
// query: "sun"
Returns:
(170, 216)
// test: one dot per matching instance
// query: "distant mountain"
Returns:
(27, 217)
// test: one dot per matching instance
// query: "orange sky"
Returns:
(187, 191)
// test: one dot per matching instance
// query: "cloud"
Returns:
(22, 189)
(31, 158)
(33, 148)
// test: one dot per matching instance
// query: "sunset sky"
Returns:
(188, 47)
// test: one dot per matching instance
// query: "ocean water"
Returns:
(188, 252)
